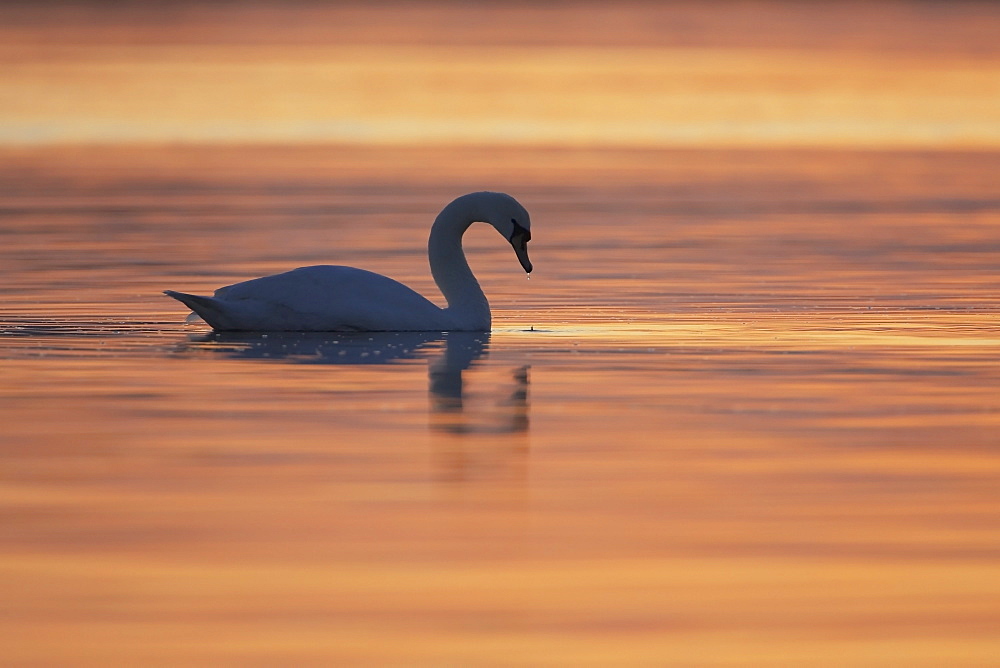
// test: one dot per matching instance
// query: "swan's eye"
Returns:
(519, 232)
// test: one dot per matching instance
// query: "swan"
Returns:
(329, 298)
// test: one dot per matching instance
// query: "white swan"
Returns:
(332, 298)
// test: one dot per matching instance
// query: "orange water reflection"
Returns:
(744, 411)
(896, 74)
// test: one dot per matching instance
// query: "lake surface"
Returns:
(744, 412)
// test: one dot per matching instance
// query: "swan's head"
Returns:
(511, 220)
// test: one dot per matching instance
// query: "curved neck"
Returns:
(467, 304)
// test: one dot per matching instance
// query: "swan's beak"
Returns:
(519, 240)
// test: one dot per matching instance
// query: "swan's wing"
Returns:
(331, 298)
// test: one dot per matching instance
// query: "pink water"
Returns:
(744, 411)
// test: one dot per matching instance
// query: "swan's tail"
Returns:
(207, 308)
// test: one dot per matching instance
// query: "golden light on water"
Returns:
(744, 413)
(99, 83)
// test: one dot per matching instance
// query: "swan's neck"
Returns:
(467, 304)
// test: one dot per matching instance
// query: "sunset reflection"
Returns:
(624, 76)
(744, 412)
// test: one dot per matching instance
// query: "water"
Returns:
(744, 412)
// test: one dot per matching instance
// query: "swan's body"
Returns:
(334, 298)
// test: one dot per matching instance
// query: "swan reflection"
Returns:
(324, 347)
(449, 355)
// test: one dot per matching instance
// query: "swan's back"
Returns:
(320, 298)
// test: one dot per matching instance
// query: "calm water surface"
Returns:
(744, 412)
